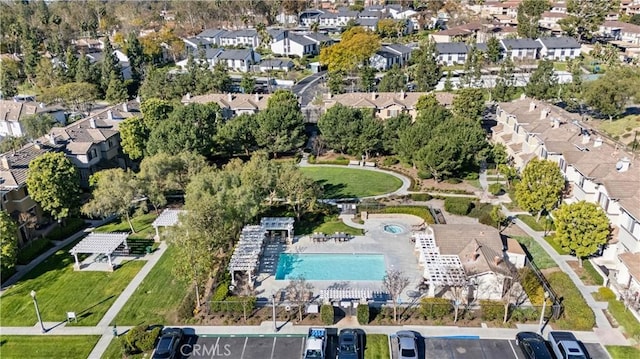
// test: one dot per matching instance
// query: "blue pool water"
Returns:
(331, 266)
(393, 229)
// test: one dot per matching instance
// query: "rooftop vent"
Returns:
(623, 165)
(597, 142)
(532, 106)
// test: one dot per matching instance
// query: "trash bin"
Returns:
(148, 249)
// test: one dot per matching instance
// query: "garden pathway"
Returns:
(604, 328)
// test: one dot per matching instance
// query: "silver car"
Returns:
(407, 346)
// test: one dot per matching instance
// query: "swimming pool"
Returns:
(393, 229)
(331, 266)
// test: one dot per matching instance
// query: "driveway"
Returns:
(306, 88)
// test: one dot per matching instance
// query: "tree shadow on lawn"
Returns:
(333, 190)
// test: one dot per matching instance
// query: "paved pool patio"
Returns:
(398, 251)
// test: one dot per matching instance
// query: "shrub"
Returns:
(342, 162)
(532, 286)
(363, 314)
(311, 159)
(390, 161)
(221, 293)
(187, 306)
(420, 196)
(453, 180)
(458, 205)
(521, 315)
(425, 175)
(491, 310)
(34, 249)
(495, 189)
(326, 314)
(340, 158)
(435, 308)
(139, 339)
(71, 226)
(472, 176)
(606, 294)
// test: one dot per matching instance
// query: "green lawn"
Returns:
(157, 297)
(620, 126)
(334, 226)
(142, 225)
(626, 320)
(560, 66)
(538, 226)
(623, 352)
(377, 347)
(553, 243)
(60, 289)
(540, 257)
(350, 183)
(45, 347)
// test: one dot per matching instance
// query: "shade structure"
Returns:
(99, 243)
(246, 255)
(168, 218)
(284, 224)
(438, 269)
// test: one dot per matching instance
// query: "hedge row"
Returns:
(326, 314)
(435, 308)
(71, 226)
(491, 310)
(33, 250)
(362, 313)
(139, 339)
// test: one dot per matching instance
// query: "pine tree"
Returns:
(136, 56)
(71, 64)
(427, 71)
(110, 66)
(116, 90)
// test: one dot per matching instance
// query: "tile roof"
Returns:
(232, 101)
(16, 175)
(384, 99)
(631, 261)
(14, 111)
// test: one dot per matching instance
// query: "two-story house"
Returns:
(245, 37)
(232, 104)
(451, 53)
(386, 104)
(212, 35)
(549, 20)
(597, 170)
(559, 48)
(621, 31)
(13, 112)
(239, 60)
(390, 55)
(521, 49)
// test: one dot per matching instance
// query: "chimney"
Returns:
(544, 113)
(92, 122)
(623, 165)
(52, 139)
(532, 106)
(402, 94)
(597, 142)
(5, 163)
(257, 97)
(373, 96)
(585, 138)
(229, 96)
(556, 122)
(188, 96)
(138, 99)
(109, 115)
(497, 260)
(125, 107)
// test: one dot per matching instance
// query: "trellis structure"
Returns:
(246, 256)
(168, 218)
(284, 224)
(99, 243)
(438, 269)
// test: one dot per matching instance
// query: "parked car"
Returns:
(348, 344)
(566, 346)
(407, 345)
(168, 344)
(533, 345)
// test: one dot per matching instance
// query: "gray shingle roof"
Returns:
(452, 48)
(236, 54)
(399, 48)
(241, 33)
(367, 22)
(564, 42)
(318, 37)
(211, 33)
(521, 44)
(301, 40)
(482, 46)
(276, 63)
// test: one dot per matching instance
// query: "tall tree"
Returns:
(110, 66)
(221, 81)
(540, 187)
(336, 126)
(247, 83)
(393, 81)
(543, 84)
(133, 137)
(171, 172)
(355, 47)
(367, 78)
(8, 242)
(36, 126)
(581, 227)
(155, 110)
(116, 90)
(472, 70)
(281, 124)
(505, 89)
(135, 53)
(494, 50)
(78, 96)
(585, 16)
(335, 82)
(529, 12)
(53, 182)
(114, 192)
(299, 293)
(392, 129)
(394, 282)
(610, 94)
(237, 135)
(468, 104)
(299, 191)
(426, 70)
(10, 77)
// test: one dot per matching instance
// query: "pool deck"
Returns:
(397, 249)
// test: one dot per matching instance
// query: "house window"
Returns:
(581, 181)
(562, 53)
(563, 165)
(603, 201)
(543, 153)
(631, 224)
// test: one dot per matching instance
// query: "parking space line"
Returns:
(246, 339)
(273, 347)
(302, 346)
(513, 349)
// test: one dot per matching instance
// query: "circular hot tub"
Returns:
(393, 229)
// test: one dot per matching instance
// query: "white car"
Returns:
(407, 345)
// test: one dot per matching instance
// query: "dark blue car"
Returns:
(533, 345)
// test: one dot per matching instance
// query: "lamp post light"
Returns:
(544, 307)
(35, 303)
(273, 307)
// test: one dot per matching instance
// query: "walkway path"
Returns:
(604, 329)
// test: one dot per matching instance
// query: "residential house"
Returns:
(13, 112)
(621, 31)
(458, 34)
(452, 53)
(549, 20)
(275, 65)
(521, 49)
(123, 60)
(212, 35)
(232, 104)
(386, 104)
(596, 168)
(559, 7)
(309, 16)
(559, 48)
(390, 55)
(245, 37)
(87, 45)
(474, 253)
(300, 44)
(239, 60)
(370, 24)
(209, 56)
(194, 44)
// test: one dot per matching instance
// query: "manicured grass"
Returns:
(623, 352)
(142, 225)
(33, 249)
(418, 211)
(555, 244)
(351, 183)
(37, 346)
(157, 297)
(629, 323)
(577, 314)
(560, 66)
(377, 347)
(334, 226)
(60, 289)
(538, 226)
(591, 272)
(540, 257)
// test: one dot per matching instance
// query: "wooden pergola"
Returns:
(99, 243)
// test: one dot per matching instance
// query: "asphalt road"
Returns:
(305, 88)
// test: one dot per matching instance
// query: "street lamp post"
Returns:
(35, 303)
(544, 307)
(273, 307)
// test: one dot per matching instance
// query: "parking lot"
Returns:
(458, 348)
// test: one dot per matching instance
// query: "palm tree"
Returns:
(263, 34)
(315, 27)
